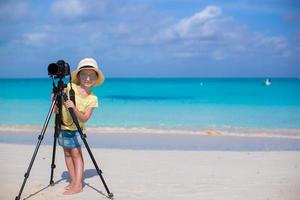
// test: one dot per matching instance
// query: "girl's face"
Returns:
(87, 77)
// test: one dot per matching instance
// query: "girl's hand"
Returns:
(69, 104)
(55, 109)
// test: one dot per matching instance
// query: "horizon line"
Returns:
(165, 77)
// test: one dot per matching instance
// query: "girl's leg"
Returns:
(79, 166)
(70, 166)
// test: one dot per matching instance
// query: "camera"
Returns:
(60, 69)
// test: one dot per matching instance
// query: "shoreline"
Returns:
(238, 132)
(158, 141)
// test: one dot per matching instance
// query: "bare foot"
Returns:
(68, 186)
(73, 190)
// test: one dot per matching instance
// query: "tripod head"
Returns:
(60, 70)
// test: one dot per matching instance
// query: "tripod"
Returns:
(57, 100)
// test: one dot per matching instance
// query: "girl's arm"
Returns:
(82, 116)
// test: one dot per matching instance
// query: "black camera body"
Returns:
(60, 69)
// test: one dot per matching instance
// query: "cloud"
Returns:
(207, 32)
(212, 34)
(128, 33)
(203, 24)
(14, 11)
(218, 55)
(68, 12)
(35, 39)
(68, 9)
(276, 45)
(199, 25)
(296, 42)
(77, 11)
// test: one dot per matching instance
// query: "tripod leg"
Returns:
(83, 136)
(58, 120)
(53, 155)
(40, 138)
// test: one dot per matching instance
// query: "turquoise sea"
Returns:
(161, 103)
(167, 114)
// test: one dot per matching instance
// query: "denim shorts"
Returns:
(69, 139)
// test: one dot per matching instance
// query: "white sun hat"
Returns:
(88, 63)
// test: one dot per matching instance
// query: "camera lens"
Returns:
(53, 69)
(60, 69)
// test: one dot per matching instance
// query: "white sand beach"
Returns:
(151, 175)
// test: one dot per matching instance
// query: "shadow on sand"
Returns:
(89, 173)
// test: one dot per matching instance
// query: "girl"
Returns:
(84, 78)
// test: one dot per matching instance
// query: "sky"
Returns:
(152, 38)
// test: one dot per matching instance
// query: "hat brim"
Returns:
(98, 82)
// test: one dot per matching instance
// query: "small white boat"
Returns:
(267, 82)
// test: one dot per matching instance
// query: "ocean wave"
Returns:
(213, 132)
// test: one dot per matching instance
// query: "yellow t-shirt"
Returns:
(82, 104)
